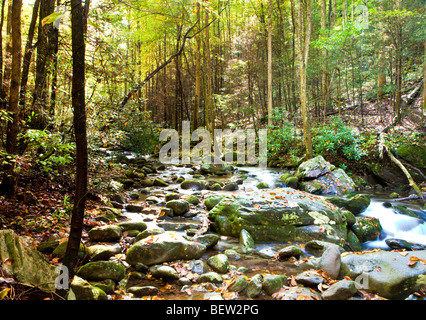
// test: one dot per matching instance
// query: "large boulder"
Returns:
(356, 204)
(24, 263)
(167, 246)
(392, 275)
(318, 176)
(413, 154)
(108, 233)
(102, 270)
(280, 215)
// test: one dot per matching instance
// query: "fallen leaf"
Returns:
(4, 293)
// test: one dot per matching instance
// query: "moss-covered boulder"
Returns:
(60, 250)
(356, 204)
(102, 251)
(179, 207)
(212, 200)
(83, 290)
(280, 215)
(108, 233)
(219, 263)
(273, 283)
(314, 168)
(24, 263)
(167, 246)
(413, 154)
(367, 228)
(216, 167)
(193, 185)
(102, 270)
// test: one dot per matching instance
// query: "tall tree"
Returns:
(301, 15)
(270, 63)
(79, 106)
(9, 180)
(197, 73)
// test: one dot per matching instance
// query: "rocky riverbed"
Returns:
(218, 232)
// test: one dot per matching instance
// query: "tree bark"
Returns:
(79, 105)
(270, 123)
(9, 179)
(197, 75)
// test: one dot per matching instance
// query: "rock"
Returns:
(215, 187)
(232, 254)
(317, 247)
(160, 183)
(216, 167)
(130, 225)
(309, 278)
(394, 195)
(238, 285)
(193, 200)
(254, 288)
(164, 272)
(403, 244)
(296, 293)
(262, 185)
(335, 182)
(108, 233)
(167, 246)
(291, 215)
(24, 263)
(146, 183)
(103, 252)
(82, 290)
(139, 292)
(212, 277)
(209, 240)
(172, 196)
(341, 290)
(106, 286)
(292, 182)
(314, 168)
(288, 252)
(179, 207)
(60, 250)
(212, 200)
(330, 262)
(357, 204)
(413, 154)
(118, 198)
(133, 208)
(192, 184)
(219, 263)
(149, 232)
(198, 266)
(48, 246)
(102, 270)
(231, 186)
(391, 275)
(273, 283)
(246, 241)
(367, 228)
(152, 199)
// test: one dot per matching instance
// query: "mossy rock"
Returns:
(179, 207)
(172, 196)
(262, 185)
(102, 270)
(367, 228)
(212, 200)
(83, 290)
(193, 200)
(413, 154)
(108, 233)
(357, 204)
(60, 250)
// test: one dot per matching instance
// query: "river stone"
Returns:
(101, 270)
(24, 263)
(133, 208)
(367, 228)
(103, 252)
(341, 290)
(198, 266)
(212, 200)
(288, 215)
(314, 168)
(193, 200)
(212, 277)
(179, 207)
(82, 290)
(167, 246)
(230, 186)
(296, 293)
(288, 252)
(310, 278)
(106, 286)
(171, 196)
(238, 285)
(317, 247)
(273, 283)
(215, 167)
(160, 183)
(108, 233)
(246, 241)
(262, 185)
(131, 225)
(149, 232)
(391, 275)
(219, 263)
(139, 292)
(192, 184)
(60, 250)
(209, 240)
(335, 182)
(254, 288)
(164, 272)
(356, 204)
(48, 246)
(330, 262)
(403, 244)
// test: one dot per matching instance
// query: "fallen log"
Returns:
(412, 197)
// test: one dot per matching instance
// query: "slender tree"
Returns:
(270, 63)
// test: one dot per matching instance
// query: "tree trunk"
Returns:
(9, 179)
(79, 106)
(27, 55)
(324, 66)
(270, 63)
(424, 79)
(208, 97)
(197, 74)
(1, 44)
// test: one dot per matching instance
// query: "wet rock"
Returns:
(254, 288)
(212, 200)
(179, 207)
(341, 290)
(149, 232)
(232, 254)
(246, 241)
(317, 247)
(167, 246)
(60, 250)
(209, 240)
(133, 208)
(130, 225)
(330, 262)
(403, 244)
(273, 283)
(160, 183)
(198, 266)
(239, 284)
(193, 200)
(118, 198)
(192, 184)
(103, 252)
(356, 204)
(230, 186)
(164, 272)
(48, 246)
(262, 185)
(391, 275)
(139, 292)
(212, 277)
(171, 196)
(219, 263)
(288, 252)
(216, 167)
(314, 168)
(101, 270)
(367, 228)
(108, 233)
(309, 278)
(106, 286)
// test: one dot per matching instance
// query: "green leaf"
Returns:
(52, 18)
